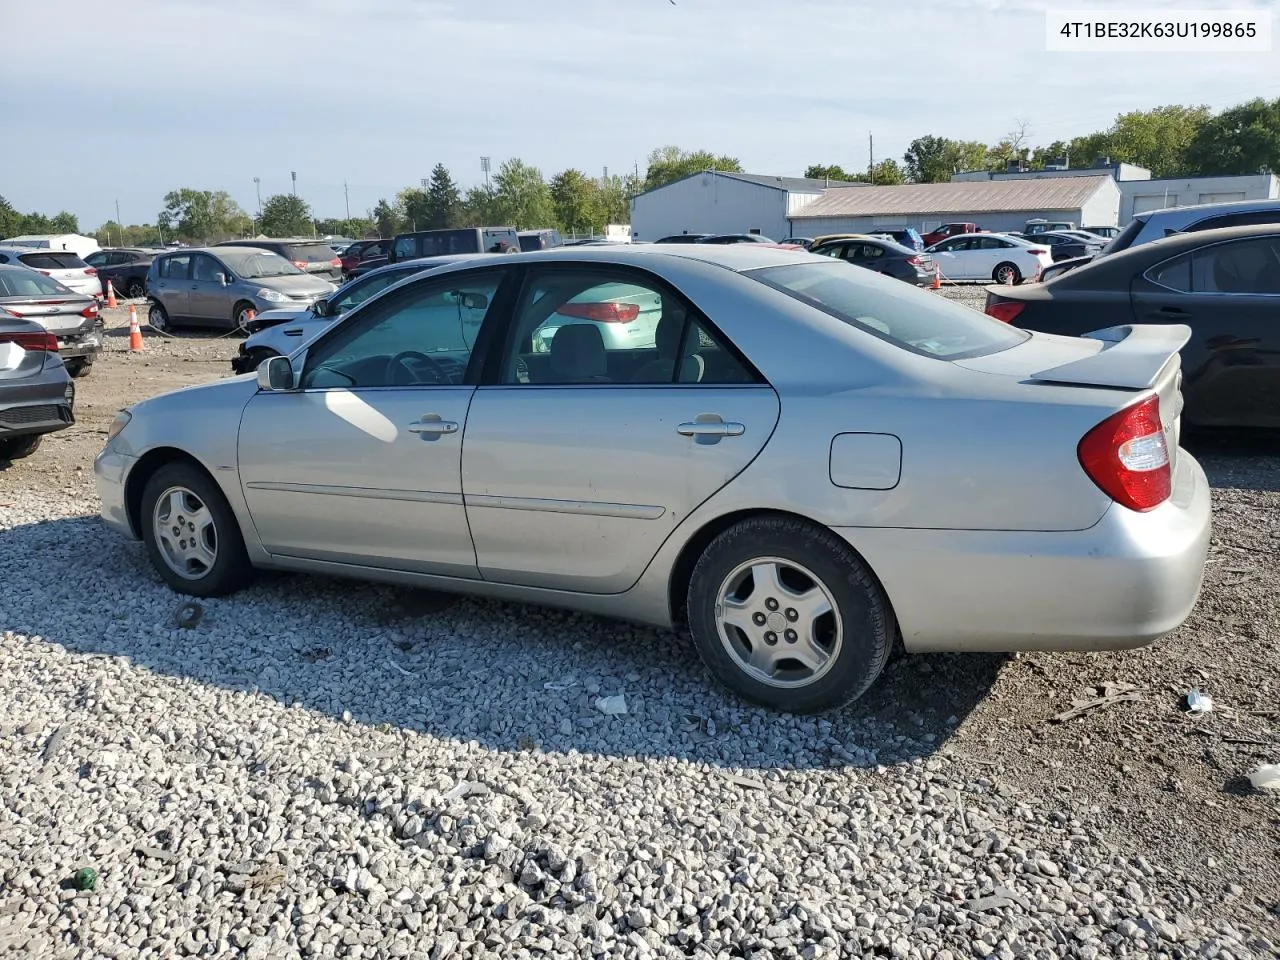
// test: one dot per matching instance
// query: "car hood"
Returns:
(269, 318)
(296, 286)
(232, 390)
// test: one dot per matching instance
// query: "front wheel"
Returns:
(79, 366)
(158, 318)
(787, 615)
(1007, 274)
(17, 448)
(191, 535)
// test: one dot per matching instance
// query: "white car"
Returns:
(62, 265)
(990, 256)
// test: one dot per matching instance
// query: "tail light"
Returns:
(603, 312)
(32, 341)
(300, 264)
(1005, 310)
(335, 262)
(90, 312)
(914, 261)
(91, 271)
(1037, 251)
(1127, 456)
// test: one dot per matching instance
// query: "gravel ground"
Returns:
(320, 769)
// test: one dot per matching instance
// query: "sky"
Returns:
(146, 96)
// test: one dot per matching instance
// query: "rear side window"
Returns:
(1249, 266)
(926, 325)
(1237, 220)
(1124, 239)
(172, 268)
(41, 261)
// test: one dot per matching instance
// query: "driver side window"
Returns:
(420, 336)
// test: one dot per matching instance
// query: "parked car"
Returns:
(990, 256)
(948, 230)
(802, 242)
(125, 267)
(1224, 285)
(438, 243)
(540, 239)
(73, 242)
(37, 396)
(281, 331)
(311, 256)
(1155, 224)
(71, 318)
(777, 472)
(1039, 225)
(734, 238)
(61, 265)
(219, 286)
(909, 238)
(360, 251)
(684, 238)
(1105, 232)
(1063, 245)
(882, 256)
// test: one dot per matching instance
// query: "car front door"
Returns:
(361, 463)
(951, 256)
(173, 285)
(580, 462)
(1229, 294)
(209, 299)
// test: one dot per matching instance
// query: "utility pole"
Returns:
(871, 157)
(121, 225)
(257, 185)
(484, 165)
(293, 174)
(346, 195)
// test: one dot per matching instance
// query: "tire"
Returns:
(79, 366)
(1006, 273)
(215, 563)
(810, 566)
(136, 290)
(240, 314)
(18, 448)
(158, 318)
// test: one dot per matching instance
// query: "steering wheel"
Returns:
(434, 368)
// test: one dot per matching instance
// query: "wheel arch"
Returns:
(146, 467)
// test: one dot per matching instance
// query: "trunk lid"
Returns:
(58, 315)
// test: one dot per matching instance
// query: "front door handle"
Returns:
(1173, 312)
(433, 426)
(710, 425)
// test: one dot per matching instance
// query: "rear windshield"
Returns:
(311, 252)
(1123, 239)
(252, 265)
(53, 261)
(28, 283)
(908, 318)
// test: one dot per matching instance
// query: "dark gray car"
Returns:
(36, 394)
(882, 256)
(225, 286)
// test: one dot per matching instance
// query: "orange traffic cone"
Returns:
(937, 278)
(135, 331)
(111, 295)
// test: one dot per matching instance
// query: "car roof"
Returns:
(738, 257)
(1226, 206)
(1103, 271)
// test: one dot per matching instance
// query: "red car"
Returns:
(362, 250)
(949, 230)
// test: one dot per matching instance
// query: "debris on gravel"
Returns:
(316, 768)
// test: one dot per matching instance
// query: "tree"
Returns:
(670, 163)
(934, 159)
(355, 227)
(821, 172)
(885, 173)
(1240, 140)
(412, 203)
(285, 215)
(10, 219)
(112, 234)
(575, 197)
(203, 215)
(386, 219)
(614, 198)
(480, 207)
(443, 201)
(521, 196)
(1157, 139)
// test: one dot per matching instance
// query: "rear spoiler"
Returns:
(1132, 357)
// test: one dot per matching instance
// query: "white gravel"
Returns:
(327, 769)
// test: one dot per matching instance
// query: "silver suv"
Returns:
(219, 286)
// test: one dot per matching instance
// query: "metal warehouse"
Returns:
(992, 205)
(717, 202)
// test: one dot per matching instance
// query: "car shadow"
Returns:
(1245, 459)
(507, 676)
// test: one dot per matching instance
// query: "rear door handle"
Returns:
(1173, 312)
(706, 426)
(433, 426)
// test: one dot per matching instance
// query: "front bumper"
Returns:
(1126, 581)
(110, 470)
(45, 415)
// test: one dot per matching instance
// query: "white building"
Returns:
(714, 201)
(991, 204)
(1140, 196)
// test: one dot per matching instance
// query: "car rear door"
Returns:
(173, 285)
(361, 464)
(1229, 294)
(579, 463)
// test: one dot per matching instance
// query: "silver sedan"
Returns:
(806, 464)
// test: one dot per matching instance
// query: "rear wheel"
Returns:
(79, 366)
(787, 615)
(135, 290)
(191, 534)
(16, 448)
(158, 318)
(1007, 273)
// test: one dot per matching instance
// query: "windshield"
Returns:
(27, 283)
(915, 321)
(253, 265)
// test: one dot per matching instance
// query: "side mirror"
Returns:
(221, 278)
(275, 373)
(321, 307)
